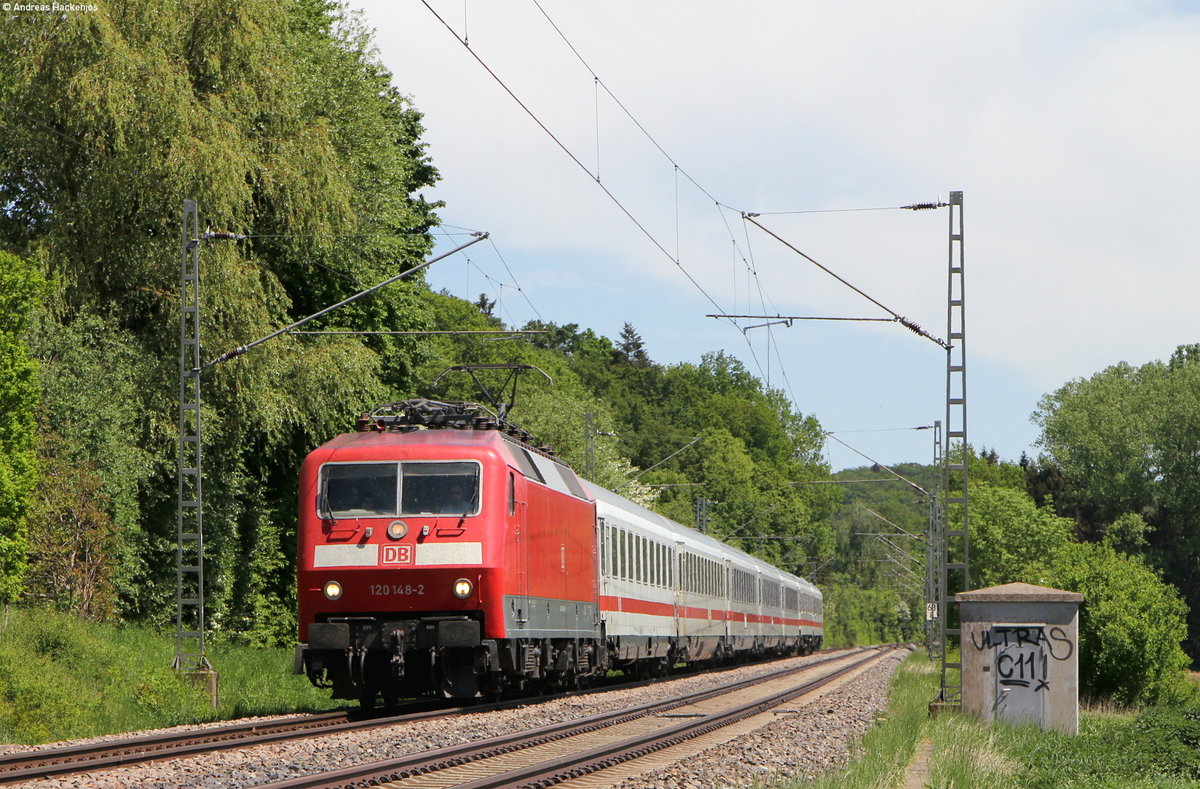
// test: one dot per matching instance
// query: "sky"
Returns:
(1072, 129)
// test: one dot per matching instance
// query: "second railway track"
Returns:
(564, 752)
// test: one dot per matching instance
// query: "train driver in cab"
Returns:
(457, 497)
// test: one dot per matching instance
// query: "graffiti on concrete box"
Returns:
(1053, 639)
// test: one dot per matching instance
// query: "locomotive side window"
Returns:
(357, 490)
(439, 489)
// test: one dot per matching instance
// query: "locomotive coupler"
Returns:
(397, 640)
(357, 678)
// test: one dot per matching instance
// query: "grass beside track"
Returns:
(1152, 748)
(64, 679)
(880, 758)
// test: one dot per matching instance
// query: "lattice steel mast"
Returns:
(955, 547)
(189, 527)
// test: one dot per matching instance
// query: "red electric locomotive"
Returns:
(440, 550)
(435, 552)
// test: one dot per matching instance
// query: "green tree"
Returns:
(20, 287)
(278, 118)
(1011, 538)
(1125, 442)
(74, 551)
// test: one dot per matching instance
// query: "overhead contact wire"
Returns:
(679, 170)
(903, 321)
(616, 201)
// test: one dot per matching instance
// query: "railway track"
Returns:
(567, 753)
(94, 757)
(51, 762)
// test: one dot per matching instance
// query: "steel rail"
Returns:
(455, 755)
(51, 762)
(555, 771)
(110, 754)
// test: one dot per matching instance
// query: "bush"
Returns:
(856, 616)
(1130, 625)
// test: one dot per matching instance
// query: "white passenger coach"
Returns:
(669, 593)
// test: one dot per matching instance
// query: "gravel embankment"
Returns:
(807, 743)
(814, 740)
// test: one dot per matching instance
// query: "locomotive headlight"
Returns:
(462, 588)
(397, 529)
(332, 590)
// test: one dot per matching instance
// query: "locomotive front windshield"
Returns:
(382, 490)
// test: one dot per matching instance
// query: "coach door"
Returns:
(727, 598)
(605, 564)
(677, 585)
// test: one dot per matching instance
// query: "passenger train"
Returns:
(441, 551)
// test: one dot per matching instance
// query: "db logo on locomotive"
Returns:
(397, 554)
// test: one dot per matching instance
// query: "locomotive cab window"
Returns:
(357, 490)
(381, 490)
(439, 489)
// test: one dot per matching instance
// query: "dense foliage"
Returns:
(20, 285)
(278, 120)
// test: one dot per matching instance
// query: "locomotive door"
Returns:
(519, 513)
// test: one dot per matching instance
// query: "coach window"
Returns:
(512, 493)
(620, 569)
(612, 550)
(605, 553)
